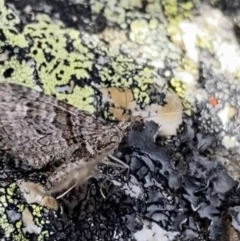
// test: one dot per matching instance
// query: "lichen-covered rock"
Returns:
(120, 59)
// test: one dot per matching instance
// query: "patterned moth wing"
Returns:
(37, 128)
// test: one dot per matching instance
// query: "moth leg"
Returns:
(102, 183)
(76, 171)
(71, 173)
(119, 161)
(109, 163)
(69, 189)
(118, 173)
(101, 188)
(122, 165)
(108, 179)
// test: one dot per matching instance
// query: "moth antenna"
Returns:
(124, 117)
(170, 113)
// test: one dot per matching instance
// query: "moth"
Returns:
(38, 129)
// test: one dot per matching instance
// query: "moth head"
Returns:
(119, 132)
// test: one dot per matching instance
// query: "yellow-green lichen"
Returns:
(178, 86)
(13, 230)
(53, 65)
(175, 10)
(82, 97)
(7, 228)
(23, 72)
(205, 43)
(8, 22)
(189, 65)
(50, 38)
(63, 65)
(180, 89)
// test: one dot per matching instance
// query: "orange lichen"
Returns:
(213, 101)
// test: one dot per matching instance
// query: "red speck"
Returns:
(213, 101)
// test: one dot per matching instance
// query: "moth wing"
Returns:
(36, 127)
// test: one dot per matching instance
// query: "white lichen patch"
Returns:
(226, 114)
(229, 142)
(168, 117)
(212, 31)
(208, 38)
(29, 225)
(153, 232)
(148, 43)
(13, 215)
(132, 188)
(190, 32)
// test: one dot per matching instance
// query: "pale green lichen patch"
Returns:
(55, 64)
(9, 21)
(22, 72)
(58, 56)
(81, 97)
(176, 11)
(15, 222)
